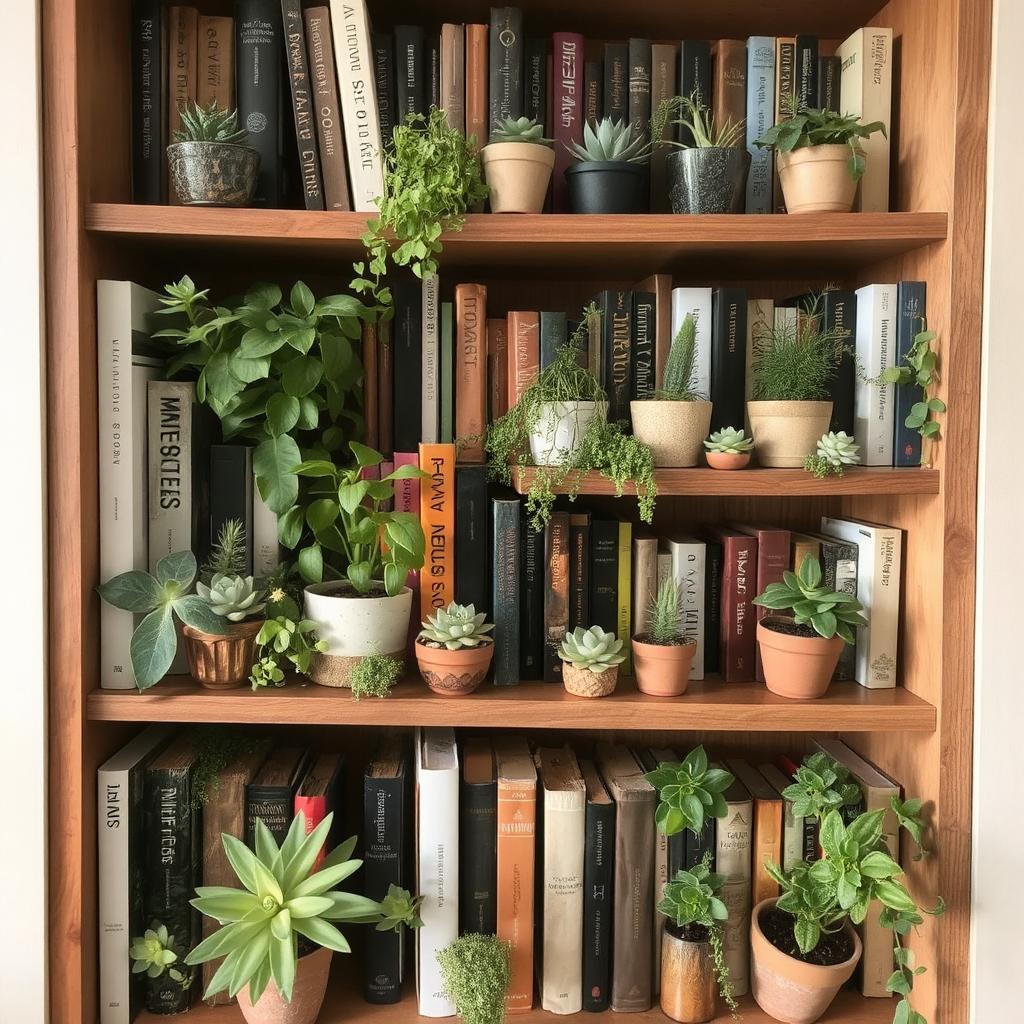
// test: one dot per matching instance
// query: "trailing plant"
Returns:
(664, 614)
(920, 369)
(476, 973)
(592, 649)
(210, 123)
(689, 792)
(215, 747)
(283, 643)
(374, 675)
(697, 118)
(834, 453)
(161, 599)
(520, 129)
(679, 378)
(457, 626)
(284, 592)
(729, 441)
(232, 597)
(227, 553)
(156, 952)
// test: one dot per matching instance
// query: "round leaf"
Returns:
(302, 301)
(311, 564)
(282, 413)
(153, 646)
(321, 514)
(274, 463)
(301, 375)
(132, 591)
(289, 526)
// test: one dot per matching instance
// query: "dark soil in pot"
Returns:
(688, 932)
(607, 186)
(791, 629)
(833, 949)
(342, 588)
(644, 638)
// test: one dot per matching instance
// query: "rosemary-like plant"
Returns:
(227, 556)
(664, 614)
(374, 675)
(679, 380)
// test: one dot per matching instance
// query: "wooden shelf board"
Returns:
(739, 243)
(708, 705)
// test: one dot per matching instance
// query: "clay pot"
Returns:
(674, 431)
(796, 666)
(212, 173)
(785, 433)
(689, 989)
(518, 174)
(663, 670)
(311, 974)
(816, 179)
(607, 186)
(221, 662)
(728, 460)
(581, 682)
(788, 989)
(559, 431)
(709, 180)
(454, 673)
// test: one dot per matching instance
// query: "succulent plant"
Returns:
(457, 626)
(154, 954)
(210, 124)
(679, 378)
(835, 452)
(611, 140)
(664, 614)
(729, 441)
(591, 648)
(520, 129)
(231, 597)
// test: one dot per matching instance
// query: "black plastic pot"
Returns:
(607, 186)
(708, 180)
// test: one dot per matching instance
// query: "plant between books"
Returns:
(920, 369)
(284, 644)
(476, 974)
(809, 923)
(375, 675)
(590, 662)
(662, 654)
(835, 452)
(517, 165)
(453, 650)
(610, 173)
(728, 448)
(155, 953)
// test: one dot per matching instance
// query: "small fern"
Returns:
(664, 614)
(227, 557)
(679, 382)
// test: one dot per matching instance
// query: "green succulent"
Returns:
(664, 614)
(679, 379)
(457, 626)
(231, 597)
(210, 124)
(592, 648)
(834, 453)
(520, 129)
(729, 441)
(611, 140)
(689, 792)
(154, 954)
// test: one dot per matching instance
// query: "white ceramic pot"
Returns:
(517, 174)
(816, 179)
(674, 431)
(559, 431)
(785, 433)
(353, 626)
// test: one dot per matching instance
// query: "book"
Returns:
(805, 74)
(792, 846)
(638, 85)
(453, 75)
(386, 386)
(407, 334)
(698, 302)
(324, 84)
(645, 580)
(430, 344)
(733, 839)
(505, 85)
(567, 105)
(470, 370)
(506, 572)
(766, 828)
(911, 297)
(472, 583)
(877, 311)
(126, 362)
(303, 112)
(738, 638)
(259, 57)
(561, 883)
(270, 796)
(478, 839)
(385, 798)
(688, 567)
(215, 62)
(120, 790)
(760, 322)
(535, 80)
(802, 545)
(437, 516)
(593, 85)
(598, 881)
(650, 758)
(624, 594)
(615, 95)
(517, 828)
(839, 315)
(713, 565)
(523, 353)
(604, 574)
(729, 89)
(728, 356)
(407, 499)
(433, 65)
(760, 117)
(437, 862)
(182, 71)
(371, 385)
(616, 322)
(497, 368)
(322, 792)
(830, 70)
(773, 554)
(660, 286)
(410, 71)
(785, 92)
(556, 592)
(879, 556)
(643, 383)
(231, 487)
(477, 110)
(356, 89)
(579, 570)
(383, 44)
(553, 336)
(446, 363)
(149, 184)
(664, 58)
(694, 78)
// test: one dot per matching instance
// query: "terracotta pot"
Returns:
(785, 433)
(797, 666)
(689, 988)
(212, 173)
(559, 431)
(454, 673)
(221, 662)
(816, 179)
(728, 460)
(674, 431)
(517, 174)
(788, 989)
(710, 180)
(581, 682)
(663, 670)
(311, 974)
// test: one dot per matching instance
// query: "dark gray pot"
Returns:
(212, 173)
(708, 180)
(607, 186)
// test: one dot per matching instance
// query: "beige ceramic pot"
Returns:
(517, 174)
(796, 666)
(311, 974)
(788, 989)
(674, 431)
(785, 433)
(689, 989)
(728, 460)
(816, 179)
(454, 673)
(581, 682)
(221, 662)
(662, 670)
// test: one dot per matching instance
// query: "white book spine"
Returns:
(664, 566)
(351, 28)
(688, 563)
(786, 318)
(875, 346)
(430, 408)
(760, 321)
(760, 117)
(170, 469)
(698, 302)
(265, 552)
(734, 838)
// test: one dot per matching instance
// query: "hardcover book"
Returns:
(593, 86)
(470, 370)
(766, 828)
(270, 796)
(729, 91)
(384, 81)
(698, 302)
(453, 75)
(760, 117)
(437, 516)
(322, 792)
(407, 332)
(792, 846)
(535, 81)
(149, 183)
(660, 286)
(531, 605)
(472, 584)
(911, 299)
(760, 322)
(616, 322)
(386, 386)
(664, 74)
(371, 385)
(567, 102)
(645, 328)
(231, 487)
(713, 562)
(688, 569)
(506, 65)
(604, 574)
(506, 572)
(446, 424)
(259, 57)
(773, 554)
(876, 350)
(728, 356)
(624, 594)
(738, 640)
(324, 84)
(410, 71)
(830, 70)
(598, 883)
(523, 353)
(650, 758)
(430, 401)
(407, 499)
(615, 101)
(733, 841)
(183, 27)
(785, 90)
(694, 77)
(497, 368)
(806, 71)
(478, 115)
(579, 570)
(216, 62)
(645, 580)
(553, 328)
(638, 83)
(840, 315)
(556, 592)
(303, 114)
(478, 839)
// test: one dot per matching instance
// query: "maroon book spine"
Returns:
(567, 93)
(738, 642)
(773, 554)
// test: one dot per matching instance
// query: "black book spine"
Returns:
(434, 71)
(616, 326)
(302, 105)
(535, 86)
(384, 79)
(712, 604)
(830, 73)
(644, 328)
(478, 875)
(615, 98)
(407, 335)
(274, 805)
(911, 299)
(699, 846)
(506, 572)
(531, 605)
(579, 571)
(604, 573)
(810, 838)
(506, 64)
(410, 72)
(639, 103)
(677, 853)
(840, 315)
(553, 327)
(472, 585)
(593, 89)
(231, 492)
(259, 53)
(598, 904)
(694, 77)
(728, 356)
(148, 181)
(806, 74)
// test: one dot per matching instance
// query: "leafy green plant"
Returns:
(821, 784)
(699, 121)
(520, 129)
(729, 441)
(834, 453)
(154, 953)
(457, 626)
(232, 597)
(284, 643)
(375, 675)
(689, 792)
(920, 368)
(210, 124)
(476, 973)
(611, 140)
(592, 649)
(679, 379)
(827, 612)
(282, 899)
(161, 599)
(664, 614)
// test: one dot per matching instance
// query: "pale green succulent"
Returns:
(729, 441)
(154, 955)
(520, 129)
(231, 597)
(457, 626)
(210, 124)
(592, 648)
(611, 140)
(834, 453)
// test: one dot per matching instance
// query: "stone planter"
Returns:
(221, 662)
(311, 973)
(785, 433)
(581, 682)
(518, 174)
(674, 431)
(708, 180)
(454, 673)
(796, 666)
(559, 431)
(212, 173)
(816, 179)
(689, 989)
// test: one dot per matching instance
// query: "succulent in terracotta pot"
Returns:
(453, 650)
(663, 654)
(517, 165)
(728, 448)
(590, 661)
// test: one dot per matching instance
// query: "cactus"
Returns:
(835, 452)
(729, 441)
(520, 129)
(210, 124)
(457, 626)
(678, 383)
(592, 648)
(231, 597)
(611, 140)
(664, 614)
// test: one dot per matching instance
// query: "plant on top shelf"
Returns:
(728, 448)
(800, 654)
(835, 452)
(517, 165)
(919, 370)
(590, 662)
(476, 974)
(803, 947)
(375, 675)
(454, 650)
(662, 653)
(284, 644)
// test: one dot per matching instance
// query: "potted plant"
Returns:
(284, 642)
(209, 161)
(819, 156)
(453, 650)
(799, 653)
(476, 973)
(803, 948)
(674, 423)
(375, 675)
(663, 654)
(590, 662)
(835, 452)
(728, 448)
(517, 165)
(610, 175)
(285, 898)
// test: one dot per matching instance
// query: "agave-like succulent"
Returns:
(210, 124)
(457, 626)
(834, 453)
(153, 953)
(730, 441)
(611, 140)
(520, 129)
(231, 597)
(591, 648)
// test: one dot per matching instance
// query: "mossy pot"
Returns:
(212, 173)
(581, 682)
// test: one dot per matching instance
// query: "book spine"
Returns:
(183, 27)
(760, 117)
(593, 86)
(470, 370)
(732, 859)
(273, 805)
(638, 105)
(535, 83)
(760, 321)
(694, 77)
(567, 98)
(664, 75)
(478, 881)
(728, 356)
(231, 487)
(617, 358)
(829, 77)
(773, 550)
(523, 353)
(645, 580)
(806, 71)
(472, 585)
(911, 297)
(840, 316)
(615, 99)
(386, 386)
(785, 89)
(408, 342)
(497, 368)
(598, 880)
(531, 606)
(698, 302)
(384, 83)
(328, 115)
(506, 571)
(738, 625)
(604, 574)
(633, 899)
(433, 44)
(169, 456)
(839, 573)
(729, 90)
(556, 593)
(437, 516)
(579, 571)
(216, 62)
(302, 105)
(266, 550)
(553, 328)
(624, 594)
(506, 64)
(430, 357)
(407, 499)
(688, 568)
(517, 826)
(384, 844)
(477, 111)
(453, 75)
(446, 375)
(371, 385)
(712, 606)
(875, 347)
(148, 164)
(410, 72)
(644, 325)
(259, 49)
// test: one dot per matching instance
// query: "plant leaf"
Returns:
(274, 462)
(179, 567)
(132, 591)
(153, 646)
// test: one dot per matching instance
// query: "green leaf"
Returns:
(282, 966)
(263, 296)
(289, 526)
(241, 859)
(249, 370)
(403, 530)
(179, 567)
(893, 895)
(274, 463)
(258, 343)
(195, 612)
(282, 414)
(359, 575)
(321, 514)
(311, 563)
(315, 468)
(879, 865)
(365, 456)
(350, 496)
(322, 933)
(302, 301)
(153, 646)
(309, 413)
(302, 375)
(132, 591)
(340, 306)
(394, 577)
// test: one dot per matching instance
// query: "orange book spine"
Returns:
(497, 367)
(216, 56)
(437, 515)
(477, 114)
(523, 353)
(517, 826)
(470, 371)
(767, 847)
(371, 387)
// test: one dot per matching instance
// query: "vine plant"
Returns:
(920, 368)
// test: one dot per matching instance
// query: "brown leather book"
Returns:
(773, 555)
(523, 353)
(371, 386)
(767, 837)
(729, 84)
(661, 287)
(324, 85)
(738, 638)
(216, 62)
(453, 75)
(385, 384)
(182, 30)
(664, 58)
(477, 110)
(497, 367)
(470, 370)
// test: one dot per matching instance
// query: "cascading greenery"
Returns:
(374, 675)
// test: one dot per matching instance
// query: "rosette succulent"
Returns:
(154, 954)
(231, 597)
(834, 453)
(611, 140)
(457, 626)
(210, 124)
(729, 441)
(592, 648)
(520, 129)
